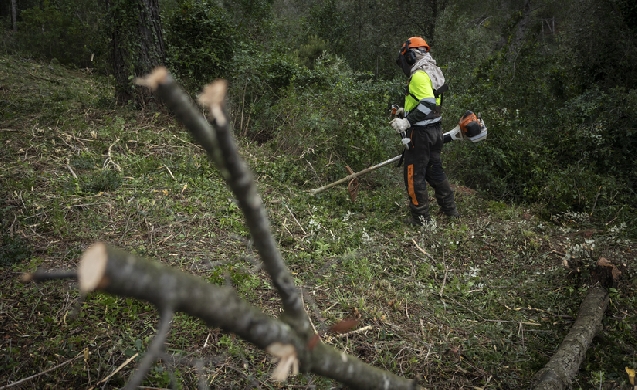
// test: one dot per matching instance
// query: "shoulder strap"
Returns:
(440, 92)
(443, 88)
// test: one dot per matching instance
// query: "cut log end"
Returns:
(213, 97)
(152, 80)
(92, 268)
(26, 278)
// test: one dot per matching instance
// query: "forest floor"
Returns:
(476, 303)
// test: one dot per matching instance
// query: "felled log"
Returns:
(563, 366)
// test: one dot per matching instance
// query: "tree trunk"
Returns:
(562, 368)
(14, 14)
(136, 46)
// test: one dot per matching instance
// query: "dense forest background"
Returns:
(554, 81)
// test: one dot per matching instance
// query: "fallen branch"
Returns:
(563, 366)
(354, 175)
(117, 272)
(359, 330)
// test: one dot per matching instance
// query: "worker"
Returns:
(421, 124)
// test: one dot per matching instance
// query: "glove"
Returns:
(400, 124)
(400, 112)
(455, 134)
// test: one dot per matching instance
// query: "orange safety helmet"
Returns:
(413, 43)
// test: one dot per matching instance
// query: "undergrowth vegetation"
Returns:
(479, 302)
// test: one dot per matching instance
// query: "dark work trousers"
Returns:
(422, 165)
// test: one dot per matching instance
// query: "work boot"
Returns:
(417, 220)
(453, 214)
(419, 214)
(445, 198)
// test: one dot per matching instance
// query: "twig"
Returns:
(68, 166)
(41, 373)
(295, 220)
(205, 344)
(154, 350)
(109, 160)
(444, 281)
(303, 295)
(130, 359)
(421, 250)
(11, 229)
(616, 215)
(599, 190)
(169, 171)
(88, 204)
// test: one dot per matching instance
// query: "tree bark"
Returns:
(521, 30)
(562, 368)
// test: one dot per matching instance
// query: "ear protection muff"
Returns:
(410, 54)
(406, 54)
(407, 57)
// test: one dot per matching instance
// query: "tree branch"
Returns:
(220, 147)
(112, 270)
(354, 175)
(21, 381)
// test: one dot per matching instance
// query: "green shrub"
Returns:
(311, 50)
(599, 129)
(333, 117)
(576, 189)
(259, 79)
(553, 141)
